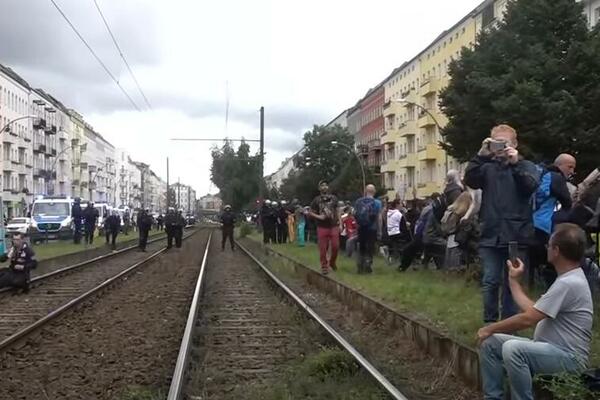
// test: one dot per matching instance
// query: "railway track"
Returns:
(236, 335)
(53, 293)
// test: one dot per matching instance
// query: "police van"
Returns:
(51, 218)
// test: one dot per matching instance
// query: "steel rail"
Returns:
(378, 376)
(19, 335)
(178, 379)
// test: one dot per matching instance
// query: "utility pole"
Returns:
(262, 153)
(189, 195)
(178, 193)
(168, 197)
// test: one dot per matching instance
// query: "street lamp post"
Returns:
(6, 127)
(362, 168)
(425, 110)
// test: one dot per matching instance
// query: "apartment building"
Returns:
(366, 124)
(185, 197)
(415, 164)
(591, 9)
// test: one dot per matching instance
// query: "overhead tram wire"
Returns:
(122, 55)
(96, 56)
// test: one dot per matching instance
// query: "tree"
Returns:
(538, 71)
(323, 160)
(236, 174)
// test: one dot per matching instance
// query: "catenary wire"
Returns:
(95, 55)
(112, 36)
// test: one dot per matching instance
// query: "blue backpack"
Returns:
(365, 211)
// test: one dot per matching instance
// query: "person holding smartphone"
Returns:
(562, 318)
(507, 182)
(22, 260)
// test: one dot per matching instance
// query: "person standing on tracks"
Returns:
(144, 224)
(22, 261)
(160, 222)
(227, 226)
(170, 226)
(76, 214)
(178, 228)
(323, 209)
(90, 218)
(112, 225)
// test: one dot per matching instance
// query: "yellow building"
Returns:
(414, 163)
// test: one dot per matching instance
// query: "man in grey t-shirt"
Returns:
(562, 318)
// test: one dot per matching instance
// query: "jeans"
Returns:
(366, 249)
(522, 358)
(351, 245)
(227, 233)
(495, 276)
(325, 237)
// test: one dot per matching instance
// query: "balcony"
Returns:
(429, 86)
(28, 162)
(390, 166)
(425, 120)
(429, 152)
(92, 168)
(375, 145)
(408, 128)
(7, 166)
(425, 189)
(39, 123)
(362, 149)
(50, 130)
(408, 161)
(75, 182)
(83, 165)
(27, 138)
(39, 148)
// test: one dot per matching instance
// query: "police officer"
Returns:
(90, 217)
(22, 261)
(227, 226)
(178, 228)
(170, 226)
(144, 224)
(264, 216)
(160, 221)
(112, 225)
(76, 214)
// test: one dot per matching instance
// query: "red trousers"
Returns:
(326, 236)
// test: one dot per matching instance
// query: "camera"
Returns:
(496, 146)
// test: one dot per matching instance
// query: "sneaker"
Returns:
(324, 271)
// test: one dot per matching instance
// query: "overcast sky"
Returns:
(304, 61)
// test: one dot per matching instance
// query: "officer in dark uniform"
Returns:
(22, 261)
(227, 226)
(170, 226)
(90, 217)
(160, 222)
(112, 226)
(178, 228)
(144, 224)
(76, 214)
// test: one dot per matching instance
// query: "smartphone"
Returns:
(496, 146)
(513, 252)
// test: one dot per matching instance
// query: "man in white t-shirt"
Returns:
(562, 318)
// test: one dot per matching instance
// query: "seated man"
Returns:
(562, 318)
(22, 260)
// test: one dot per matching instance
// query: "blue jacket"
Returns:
(552, 190)
(506, 205)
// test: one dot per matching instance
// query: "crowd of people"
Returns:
(509, 216)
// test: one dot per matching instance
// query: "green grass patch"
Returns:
(450, 302)
(330, 374)
(139, 393)
(58, 248)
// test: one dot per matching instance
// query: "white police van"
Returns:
(51, 218)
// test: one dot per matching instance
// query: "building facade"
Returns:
(48, 149)
(210, 202)
(591, 9)
(341, 120)
(185, 197)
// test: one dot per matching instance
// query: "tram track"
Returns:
(53, 293)
(239, 334)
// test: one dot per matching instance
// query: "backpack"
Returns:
(439, 207)
(365, 211)
(420, 225)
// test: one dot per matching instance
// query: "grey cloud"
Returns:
(34, 35)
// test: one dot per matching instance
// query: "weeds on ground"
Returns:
(331, 374)
(566, 387)
(139, 393)
(245, 229)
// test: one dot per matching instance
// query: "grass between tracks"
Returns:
(450, 302)
(58, 248)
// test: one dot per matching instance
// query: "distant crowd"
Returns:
(508, 215)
